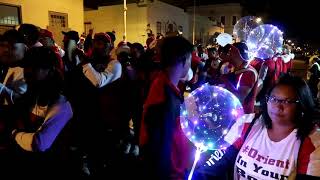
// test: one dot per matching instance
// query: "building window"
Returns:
(234, 20)
(57, 19)
(9, 15)
(223, 20)
(158, 27)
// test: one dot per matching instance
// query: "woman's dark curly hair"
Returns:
(306, 108)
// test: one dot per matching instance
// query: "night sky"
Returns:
(298, 20)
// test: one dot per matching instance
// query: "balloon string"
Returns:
(196, 159)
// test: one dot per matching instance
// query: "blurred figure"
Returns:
(204, 57)
(14, 84)
(287, 57)
(212, 66)
(88, 42)
(113, 53)
(314, 77)
(47, 40)
(43, 114)
(96, 80)
(70, 42)
(30, 34)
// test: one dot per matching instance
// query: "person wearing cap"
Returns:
(243, 82)
(91, 89)
(70, 41)
(93, 70)
(46, 38)
(112, 36)
(88, 42)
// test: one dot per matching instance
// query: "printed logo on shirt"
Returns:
(261, 165)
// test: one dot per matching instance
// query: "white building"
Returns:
(223, 15)
(158, 15)
(57, 15)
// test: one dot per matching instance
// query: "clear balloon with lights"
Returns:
(265, 41)
(207, 115)
(244, 25)
(224, 39)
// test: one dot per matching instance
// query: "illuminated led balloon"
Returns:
(265, 41)
(243, 27)
(224, 39)
(207, 116)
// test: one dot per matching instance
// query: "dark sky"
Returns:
(298, 20)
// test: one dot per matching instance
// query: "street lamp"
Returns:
(194, 22)
(125, 20)
(258, 20)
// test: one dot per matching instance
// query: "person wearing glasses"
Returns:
(281, 143)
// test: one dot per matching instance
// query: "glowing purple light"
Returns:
(264, 41)
(210, 113)
(234, 112)
(225, 132)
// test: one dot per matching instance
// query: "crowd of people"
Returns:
(93, 109)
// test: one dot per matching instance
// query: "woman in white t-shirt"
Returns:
(282, 143)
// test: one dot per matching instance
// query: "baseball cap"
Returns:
(243, 49)
(102, 36)
(112, 36)
(46, 33)
(74, 35)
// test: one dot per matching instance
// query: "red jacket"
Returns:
(165, 149)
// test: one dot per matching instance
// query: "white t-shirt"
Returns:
(101, 78)
(14, 85)
(263, 159)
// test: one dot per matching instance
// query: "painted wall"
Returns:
(202, 28)
(165, 13)
(36, 11)
(108, 18)
(217, 10)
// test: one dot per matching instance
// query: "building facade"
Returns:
(144, 17)
(54, 15)
(223, 15)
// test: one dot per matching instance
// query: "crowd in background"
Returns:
(93, 109)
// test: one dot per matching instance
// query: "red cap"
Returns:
(46, 33)
(102, 36)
